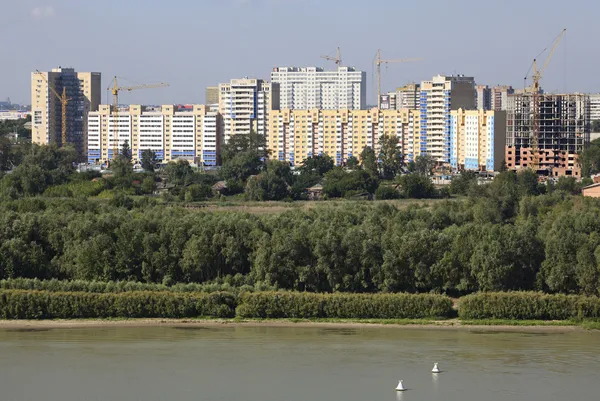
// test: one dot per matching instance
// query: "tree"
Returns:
(368, 161)
(244, 155)
(148, 160)
(567, 184)
(352, 162)
(390, 156)
(461, 183)
(318, 165)
(596, 126)
(5, 149)
(424, 164)
(271, 184)
(121, 167)
(126, 151)
(197, 192)
(417, 186)
(589, 159)
(178, 171)
(338, 182)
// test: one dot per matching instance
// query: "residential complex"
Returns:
(245, 105)
(483, 97)
(438, 97)
(563, 125)
(499, 98)
(191, 132)
(310, 88)
(477, 139)
(83, 91)
(406, 97)
(295, 135)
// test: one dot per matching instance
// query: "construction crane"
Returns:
(535, 104)
(378, 62)
(64, 101)
(337, 58)
(115, 89)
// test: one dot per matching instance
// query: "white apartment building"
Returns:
(308, 88)
(245, 105)
(595, 107)
(438, 97)
(172, 132)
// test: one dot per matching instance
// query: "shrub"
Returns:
(342, 306)
(528, 306)
(386, 192)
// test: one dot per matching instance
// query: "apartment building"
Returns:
(212, 95)
(500, 96)
(295, 135)
(245, 105)
(83, 89)
(562, 122)
(189, 132)
(477, 139)
(309, 88)
(439, 96)
(483, 97)
(595, 107)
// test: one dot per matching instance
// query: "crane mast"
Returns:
(378, 62)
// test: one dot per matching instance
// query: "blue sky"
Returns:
(194, 43)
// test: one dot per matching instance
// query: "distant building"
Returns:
(483, 97)
(13, 114)
(477, 139)
(314, 88)
(499, 98)
(245, 105)
(439, 96)
(592, 191)
(212, 95)
(190, 133)
(408, 96)
(295, 135)
(595, 107)
(83, 89)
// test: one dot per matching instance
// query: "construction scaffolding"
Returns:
(562, 122)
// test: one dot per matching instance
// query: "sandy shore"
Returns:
(429, 325)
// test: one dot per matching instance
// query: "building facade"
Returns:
(500, 96)
(212, 95)
(295, 135)
(190, 133)
(483, 97)
(83, 89)
(309, 88)
(245, 105)
(595, 107)
(477, 139)
(563, 126)
(438, 97)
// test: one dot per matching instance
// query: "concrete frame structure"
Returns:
(84, 91)
(438, 97)
(295, 135)
(245, 105)
(564, 131)
(477, 139)
(309, 88)
(190, 133)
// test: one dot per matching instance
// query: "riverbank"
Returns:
(451, 324)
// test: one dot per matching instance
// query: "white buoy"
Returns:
(400, 386)
(435, 368)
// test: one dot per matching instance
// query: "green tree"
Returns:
(424, 164)
(126, 151)
(461, 184)
(178, 171)
(568, 184)
(596, 126)
(368, 161)
(148, 185)
(317, 165)
(197, 192)
(121, 167)
(271, 184)
(417, 186)
(148, 160)
(390, 156)
(352, 162)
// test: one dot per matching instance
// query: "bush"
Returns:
(342, 306)
(20, 304)
(386, 192)
(528, 306)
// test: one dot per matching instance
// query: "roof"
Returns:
(317, 187)
(591, 186)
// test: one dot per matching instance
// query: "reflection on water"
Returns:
(293, 364)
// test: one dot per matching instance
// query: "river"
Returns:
(298, 363)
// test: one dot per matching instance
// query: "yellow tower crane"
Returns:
(115, 89)
(535, 104)
(64, 101)
(378, 62)
(337, 59)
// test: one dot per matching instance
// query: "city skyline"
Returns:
(194, 49)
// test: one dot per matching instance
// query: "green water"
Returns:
(289, 364)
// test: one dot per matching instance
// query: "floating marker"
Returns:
(400, 386)
(435, 368)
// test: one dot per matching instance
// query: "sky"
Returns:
(191, 44)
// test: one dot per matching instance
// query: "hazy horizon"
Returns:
(194, 44)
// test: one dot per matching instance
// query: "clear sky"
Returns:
(194, 43)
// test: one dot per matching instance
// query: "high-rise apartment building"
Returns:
(314, 88)
(562, 122)
(500, 97)
(190, 133)
(477, 139)
(408, 96)
(212, 95)
(295, 135)
(595, 107)
(483, 97)
(438, 97)
(83, 89)
(245, 105)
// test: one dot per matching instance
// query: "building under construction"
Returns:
(562, 125)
